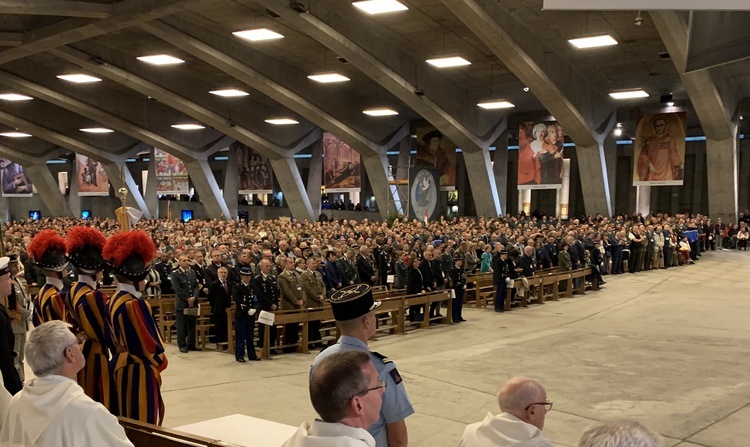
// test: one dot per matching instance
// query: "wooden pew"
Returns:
(393, 308)
(203, 324)
(424, 300)
(167, 318)
(283, 317)
(142, 434)
(579, 273)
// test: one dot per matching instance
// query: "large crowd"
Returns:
(282, 264)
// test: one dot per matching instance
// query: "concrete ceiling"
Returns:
(109, 35)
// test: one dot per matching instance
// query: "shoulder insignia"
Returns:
(382, 358)
(396, 376)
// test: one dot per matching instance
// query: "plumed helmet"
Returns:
(129, 254)
(84, 246)
(47, 250)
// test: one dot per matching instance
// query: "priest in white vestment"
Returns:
(52, 410)
(523, 408)
(347, 394)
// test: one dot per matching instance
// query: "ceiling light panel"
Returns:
(282, 121)
(229, 93)
(160, 59)
(629, 94)
(492, 105)
(374, 7)
(188, 126)
(593, 42)
(14, 97)
(382, 111)
(446, 62)
(96, 130)
(15, 135)
(258, 35)
(79, 78)
(328, 78)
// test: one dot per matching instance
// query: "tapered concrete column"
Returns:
(149, 190)
(231, 184)
(402, 172)
(562, 208)
(48, 190)
(74, 201)
(482, 179)
(592, 170)
(4, 209)
(643, 200)
(379, 176)
(610, 160)
(134, 198)
(208, 190)
(721, 158)
(315, 177)
(295, 196)
(500, 169)
(524, 201)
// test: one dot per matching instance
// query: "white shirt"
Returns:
(57, 282)
(503, 430)
(88, 280)
(53, 411)
(128, 288)
(324, 434)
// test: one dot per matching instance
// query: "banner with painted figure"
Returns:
(16, 183)
(254, 172)
(341, 166)
(659, 149)
(433, 149)
(92, 180)
(424, 184)
(540, 155)
(171, 174)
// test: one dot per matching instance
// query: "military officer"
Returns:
(246, 306)
(291, 298)
(354, 310)
(186, 290)
(458, 284)
(267, 292)
(314, 291)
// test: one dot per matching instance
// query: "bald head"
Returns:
(518, 393)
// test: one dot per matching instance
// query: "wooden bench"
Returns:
(424, 300)
(203, 324)
(283, 317)
(167, 318)
(390, 315)
(142, 434)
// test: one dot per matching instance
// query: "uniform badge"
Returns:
(396, 376)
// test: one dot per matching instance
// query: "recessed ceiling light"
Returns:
(445, 62)
(593, 42)
(188, 126)
(373, 7)
(327, 78)
(380, 112)
(282, 121)
(229, 93)
(15, 134)
(14, 97)
(629, 94)
(491, 105)
(160, 59)
(257, 35)
(79, 78)
(96, 130)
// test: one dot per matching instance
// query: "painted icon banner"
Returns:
(254, 172)
(659, 150)
(92, 180)
(171, 174)
(540, 155)
(341, 166)
(16, 183)
(436, 150)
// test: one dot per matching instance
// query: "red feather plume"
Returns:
(77, 237)
(43, 241)
(121, 245)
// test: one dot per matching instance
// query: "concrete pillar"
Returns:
(722, 178)
(134, 199)
(74, 201)
(524, 201)
(500, 170)
(231, 184)
(295, 196)
(379, 176)
(643, 200)
(46, 186)
(610, 159)
(315, 177)
(402, 173)
(4, 209)
(483, 186)
(208, 190)
(594, 183)
(149, 189)
(562, 208)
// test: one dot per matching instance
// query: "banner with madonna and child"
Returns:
(659, 151)
(540, 155)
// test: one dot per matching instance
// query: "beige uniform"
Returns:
(291, 290)
(313, 288)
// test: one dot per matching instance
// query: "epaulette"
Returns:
(383, 358)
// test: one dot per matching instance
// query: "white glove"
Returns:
(508, 280)
(251, 312)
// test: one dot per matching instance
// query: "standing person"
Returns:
(186, 290)
(267, 292)
(18, 309)
(458, 284)
(291, 299)
(47, 251)
(347, 269)
(500, 276)
(564, 264)
(246, 306)
(139, 359)
(354, 310)
(85, 245)
(11, 379)
(401, 271)
(314, 293)
(220, 299)
(658, 253)
(415, 284)
(364, 268)
(636, 250)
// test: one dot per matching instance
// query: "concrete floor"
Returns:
(667, 347)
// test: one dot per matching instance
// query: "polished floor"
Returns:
(670, 347)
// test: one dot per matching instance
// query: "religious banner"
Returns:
(659, 149)
(423, 193)
(171, 174)
(92, 180)
(540, 155)
(16, 183)
(341, 166)
(433, 149)
(254, 172)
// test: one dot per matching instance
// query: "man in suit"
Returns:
(314, 292)
(290, 291)
(648, 257)
(186, 292)
(165, 271)
(364, 267)
(212, 270)
(220, 298)
(500, 274)
(333, 275)
(527, 262)
(246, 306)
(267, 293)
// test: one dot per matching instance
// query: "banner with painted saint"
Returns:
(254, 172)
(92, 180)
(540, 155)
(171, 174)
(659, 150)
(341, 166)
(436, 150)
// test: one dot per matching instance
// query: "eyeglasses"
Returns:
(547, 405)
(381, 384)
